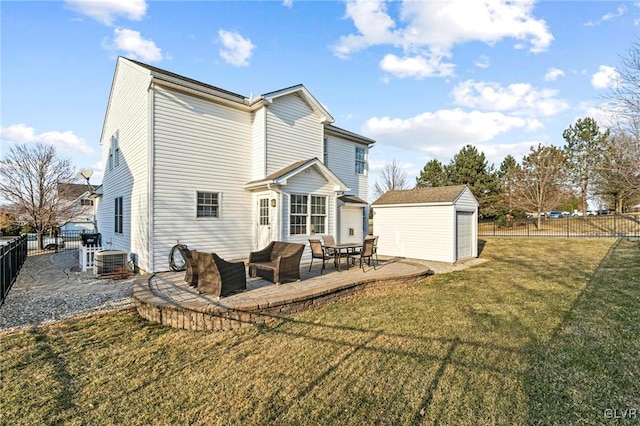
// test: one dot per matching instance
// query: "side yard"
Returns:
(544, 332)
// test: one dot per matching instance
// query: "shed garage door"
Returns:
(464, 235)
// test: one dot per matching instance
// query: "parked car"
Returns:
(48, 243)
(554, 214)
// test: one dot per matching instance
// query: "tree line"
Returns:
(594, 164)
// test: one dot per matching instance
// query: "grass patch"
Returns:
(546, 332)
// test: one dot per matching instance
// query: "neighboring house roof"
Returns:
(72, 191)
(440, 194)
(280, 177)
(331, 129)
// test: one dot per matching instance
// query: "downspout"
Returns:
(150, 177)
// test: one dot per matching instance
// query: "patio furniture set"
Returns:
(351, 251)
(278, 262)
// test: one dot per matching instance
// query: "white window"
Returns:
(208, 204)
(298, 216)
(264, 211)
(308, 209)
(118, 217)
(325, 152)
(116, 149)
(361, 161)
(318, 214)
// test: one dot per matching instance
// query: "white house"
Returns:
(79, 208)
(186, 161)
(437, 223)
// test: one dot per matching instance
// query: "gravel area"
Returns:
(51, 288)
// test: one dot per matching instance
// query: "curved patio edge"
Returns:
(164, 298)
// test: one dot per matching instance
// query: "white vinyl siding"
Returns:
(417, 231)
(341, 155)
(294, 133)
(351, 220)
(258, 148)
(199, 144)
(127, 116)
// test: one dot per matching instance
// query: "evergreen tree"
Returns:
(584, 149)
(507, 175)
(469, 167)
(433, 174)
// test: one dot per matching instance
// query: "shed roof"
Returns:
(439, 194)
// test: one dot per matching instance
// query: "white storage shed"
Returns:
(439, 223)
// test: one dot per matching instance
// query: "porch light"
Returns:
(273, 202)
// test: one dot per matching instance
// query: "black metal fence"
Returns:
(606, 226)
(12, 255)
(54, 243)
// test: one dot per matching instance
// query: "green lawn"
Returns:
(546, 332)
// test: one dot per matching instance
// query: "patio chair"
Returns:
(318, 252)
(191, 276)
(217, 277)
(375, 247)
(278, 262)
(366, 253)
(329, 241)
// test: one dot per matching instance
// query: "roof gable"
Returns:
(281, 176)
(440, 194)
(306, 96)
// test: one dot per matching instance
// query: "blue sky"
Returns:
(422, 78)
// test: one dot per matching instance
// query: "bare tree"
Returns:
(393, 178)
(29, 178)
(624, 95)
(619, 170)
(539, 182)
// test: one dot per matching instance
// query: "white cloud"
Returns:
(432, 28)
(619, 12)
(134, 46)
(105, 11)
(417, 66)
(62, 141)
(553, 74)
(287, 3)
(236, 50)
(519, 98)
(435, 130)
(482, 62)
(605, 77)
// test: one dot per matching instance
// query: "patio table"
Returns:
(338, 249)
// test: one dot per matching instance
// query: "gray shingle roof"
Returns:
(440, 194)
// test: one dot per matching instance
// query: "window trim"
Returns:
(118, 216)
(219, 204)
(308, 214)
(361, 164)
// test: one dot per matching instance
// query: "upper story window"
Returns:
(325, 152)
(361, 161)
(118, 226)
(86, 202)
(114, 152)
(116, 149)
(208, 204)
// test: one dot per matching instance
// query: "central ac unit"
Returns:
(110, 262)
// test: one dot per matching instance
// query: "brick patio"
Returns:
(166, 299)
